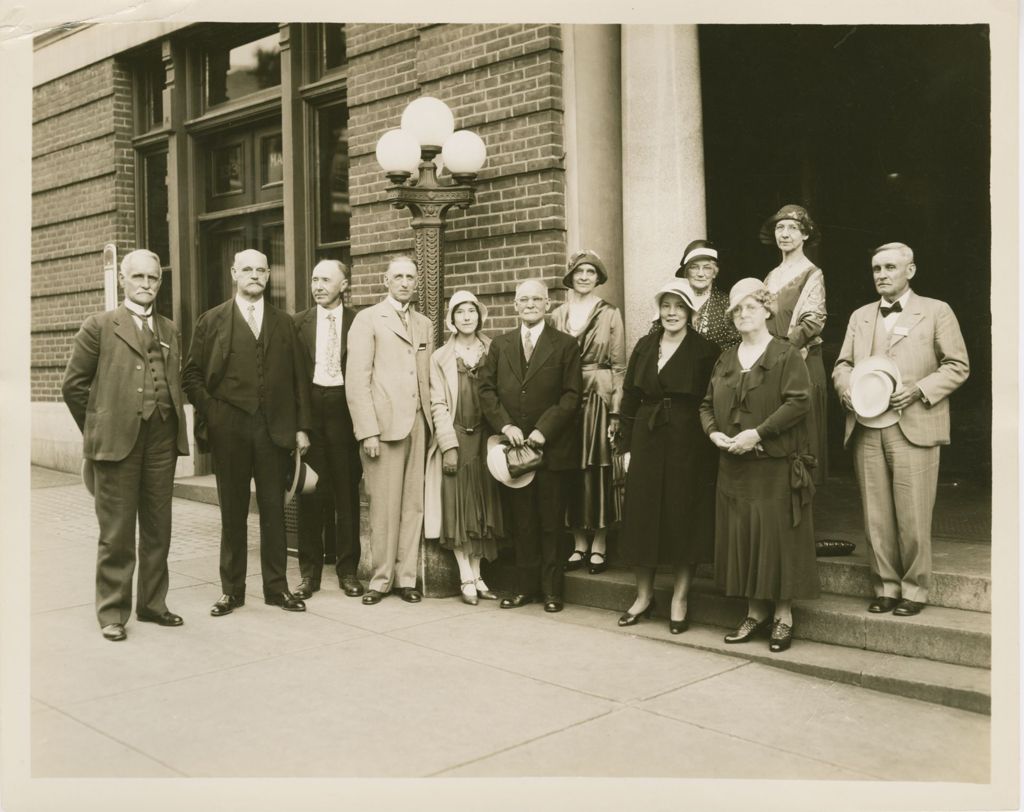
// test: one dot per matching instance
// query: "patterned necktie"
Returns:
(404, 316)
(528, 345)
(146, 330)
(251, 319)
(896, 308)
(333, 348)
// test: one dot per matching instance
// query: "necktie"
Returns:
(146, 331)
(333, 348)
(404, 316)
(251, 319)
(528, 345)
(895, 308)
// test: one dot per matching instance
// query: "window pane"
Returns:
(157, 232)
(156, 79)
(272, 244)
(226, 171)
(335, 211)
(271, 160)
(334, 46)
(244, 69)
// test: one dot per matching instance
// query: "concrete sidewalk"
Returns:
(435, 689)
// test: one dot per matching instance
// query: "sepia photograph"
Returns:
(616, 408)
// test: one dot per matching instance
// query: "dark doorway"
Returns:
(882, 132)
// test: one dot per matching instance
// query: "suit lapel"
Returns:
(514, 354)
(394, 323)
(127, 330)
(269, 323)
(544, 348)
(908, 319)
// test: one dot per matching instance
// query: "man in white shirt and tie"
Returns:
(387, 386)
(897, 464)
(244, 377)
(530, 390)
(333, 452)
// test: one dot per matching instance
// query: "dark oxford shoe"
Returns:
(882, 604)
(114, 631)
(516, 601)
(350, 585)
(305, 589)
(286, 600)
(167, 618)
(226, 604)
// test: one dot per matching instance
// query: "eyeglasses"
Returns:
(531, 299)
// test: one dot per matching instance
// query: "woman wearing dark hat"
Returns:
(755, 412)
(670, 482)
(799, 288)
(597, 326)
(462, 505)
(699, 266)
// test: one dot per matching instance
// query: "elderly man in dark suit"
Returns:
(897, 459)
(530, 392)
(333, 452)
(123, 388)
(244, 377)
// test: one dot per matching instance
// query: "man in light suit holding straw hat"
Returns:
(915, 343)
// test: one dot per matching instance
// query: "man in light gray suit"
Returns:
(387, 387)
(897, 466)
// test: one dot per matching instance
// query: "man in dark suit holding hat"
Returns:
(333, 452)
(896, 454)
(123, 388)
(244, 377)
(530, 392)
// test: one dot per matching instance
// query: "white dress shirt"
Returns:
(534, 332)
(140, 313)
(321, 373)
(890, 320)
(243, 306)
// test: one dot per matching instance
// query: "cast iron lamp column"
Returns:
(407, 157)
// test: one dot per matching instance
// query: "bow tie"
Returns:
(896, 307)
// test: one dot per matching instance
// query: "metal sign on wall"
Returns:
(110, 276)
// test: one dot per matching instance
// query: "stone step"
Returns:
(957, 686)
(953, 636)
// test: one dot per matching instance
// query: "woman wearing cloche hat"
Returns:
(799, 289)
(597, 326)
(699, 267)
(462, 505)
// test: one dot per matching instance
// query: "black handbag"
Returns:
(523, 459)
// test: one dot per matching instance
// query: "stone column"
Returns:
(662, 161)
(593, 147)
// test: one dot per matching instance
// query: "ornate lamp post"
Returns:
(407, 157)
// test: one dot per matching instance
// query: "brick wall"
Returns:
(505, 83)
(83, 196)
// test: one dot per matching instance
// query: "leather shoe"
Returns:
(305, 589)
(114, 631)
(372, 596)
(350, 585)
(409, 594)
(678, 626)
(907, 608)
(166, 618)
(629, 619)
(781, 636)
(226, 604)
(515, 601)
(748, 629)
(484, 592)
(576, 560)
(597, 567)
(286, 600)
(883, 604)
(552, 603)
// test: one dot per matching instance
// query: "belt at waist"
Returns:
(591, 367)
(658, 416)
(329, 388)
(467, 429)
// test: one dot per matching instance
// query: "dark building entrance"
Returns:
(882, 132)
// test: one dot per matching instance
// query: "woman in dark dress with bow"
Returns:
(670, 482)
(756, 412)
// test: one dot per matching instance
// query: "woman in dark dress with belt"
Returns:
(670, 482)
(756, 412)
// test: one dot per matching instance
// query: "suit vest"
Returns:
(155, 394)
(243, 383)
